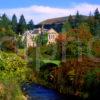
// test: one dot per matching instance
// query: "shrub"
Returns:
(72, 72)
(92, 83)
(9, 44)
(13, 72)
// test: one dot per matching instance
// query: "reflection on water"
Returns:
(38, 92)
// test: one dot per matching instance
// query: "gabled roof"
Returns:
(39, 30)
(52, 31)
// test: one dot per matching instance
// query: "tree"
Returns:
(71, 21)
(90, 21)
(22, 24)
(77, 20)
(5, 22)
(97, 29)
(14, 23)
(42, 39)
(30, 25)
(97, 23)
(84, 32)
(61, 43)
(5, 26)
(97, 14)
(66, 27)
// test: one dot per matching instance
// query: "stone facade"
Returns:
(31, 35)
(52, 35)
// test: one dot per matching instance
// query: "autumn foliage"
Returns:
(72, 73)
(61, 38)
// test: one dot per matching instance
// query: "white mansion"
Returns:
(31, 35)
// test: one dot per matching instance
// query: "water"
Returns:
(38, 92)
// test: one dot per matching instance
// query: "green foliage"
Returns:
(96, 27)
(13, 71)
(97, 14)
(21, 25)
(90, 21)
(90, 78)
(92, 83)
(96, 47)
(48, 51)
(66, 27)
(78, 19)
(20, 44)
(14, 23)
(5, 26)
(71, 21)
(13, 65)
(30, 25)
(42, 39)
(4, 22)
(72, 49)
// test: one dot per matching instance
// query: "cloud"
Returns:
(39, 13)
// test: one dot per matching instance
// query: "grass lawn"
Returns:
(57, 62)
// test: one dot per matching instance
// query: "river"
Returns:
(39, 92)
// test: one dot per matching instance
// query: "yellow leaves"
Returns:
(71, 72)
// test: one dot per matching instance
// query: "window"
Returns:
(49, 36)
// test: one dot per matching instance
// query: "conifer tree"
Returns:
(14, 23)
(30, 25)
(22, 25)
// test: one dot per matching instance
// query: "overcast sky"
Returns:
(39, 10)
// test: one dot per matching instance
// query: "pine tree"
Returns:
(90, 21)
(97, 23)
(71, 21)
(77, 20)
(97, 28)
(22, 25)
(30, 25)
(14, 23)
(97, 14)
(5, 26)
(5, 22)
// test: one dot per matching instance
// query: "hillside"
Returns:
(56, 23)
(54, 20)
(59, 20)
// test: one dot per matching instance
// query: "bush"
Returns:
(92, 83)
(9, 44)
(73, 74)
(76, 49)
(13, 72)
(21, 43)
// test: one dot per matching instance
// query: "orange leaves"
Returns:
(61, 38)
(83, 35)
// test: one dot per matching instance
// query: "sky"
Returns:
(39, 10)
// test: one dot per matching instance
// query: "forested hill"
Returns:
(60, 20)
(54, 20)
(57, 23)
